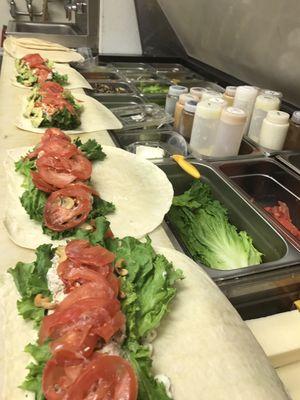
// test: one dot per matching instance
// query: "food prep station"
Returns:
(245, 184)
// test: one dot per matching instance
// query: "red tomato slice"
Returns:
(40, 183)
(42, 74)
(59, 216)
(82, 252)
(91, 311)
(58, 147)
(73, 277)
(34, 60)
(55, 381)
(56, 133)
(53, 171)
(51, 88)
(105, 378)
(81, 167)
(116, 324)
(56, 101)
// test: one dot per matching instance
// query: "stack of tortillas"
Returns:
(19, 47)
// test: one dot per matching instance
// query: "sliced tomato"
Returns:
(53, 171)
(55, 101)
(41, 184)
(78, 276)
(81, 252)
(92, 311)
(99, 289)
(51, 88)
(56, 133)
(75, 345)
(80, 166)
(42, 74)
(59, 215)
(115, 324)
(55, 381)
(105, 378)
(34, 60)
(58, 147)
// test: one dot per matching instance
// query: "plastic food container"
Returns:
(107, 87)
(152, 88)
(142, 116)
(131, 65)
(169, 67)
(177, 77)
(113, 101)
(134, 76)
(106, 75)
(169, 141)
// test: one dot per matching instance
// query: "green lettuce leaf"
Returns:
(60, 79)
(91, 149)
(33, 380)
(97, 236)
(24, 166)
(34, 200)
(203, 225)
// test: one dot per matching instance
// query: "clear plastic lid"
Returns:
(142, 116)
(176, 90)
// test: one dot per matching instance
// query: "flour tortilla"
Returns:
(206, 349)
(202, 345)
(75, 79)
(94, 117)
(12, 47)
(140, 191)
(38, 44)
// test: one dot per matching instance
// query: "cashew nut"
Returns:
(43, 302)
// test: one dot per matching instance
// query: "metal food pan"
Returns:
(170, 141)
(169, 67)
(266, 181)
(142, 86)
(277, 250)
(177, 77)
(141, 76)
(159, 99)
(101, 75)
(266, 151)
(111, 88)
(247, 150)
(292, 160)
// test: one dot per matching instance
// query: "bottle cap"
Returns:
(246, 93)
(177, 90)
(296, 117)
(208, 94)
(269, 92)
(190, 106)
(187, 96)
(197, 91)
(223, 103)
(278, 117)
(208, 110)
(230, 91)
(267, 103)
(233, 116)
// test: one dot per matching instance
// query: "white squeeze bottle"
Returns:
(209, 93)
(205, 127)
(244, 99)
(230, 132)
(172, 97)
(263, 104)
(229, 95)
(274, 129)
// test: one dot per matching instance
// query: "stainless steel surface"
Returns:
(265, 150)
(83, 33)
(171, 142)
(78, 7)
(265, 182)
(292, 160)
(255, 41)
(30, 13)
(247, 150)
(278, 251)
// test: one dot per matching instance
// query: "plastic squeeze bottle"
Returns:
(205, 126)
(187, 119)
(263, 104)
(274, 130)
(172, 97)
(230, 132)
(180, 106)
(229, 95)
(244, 99)
(292, 141)
(198, 91)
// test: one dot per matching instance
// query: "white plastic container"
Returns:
(263, 104)
(274, 129)
(205, 127)
(172, 97)
(180, 106)
(209, 93)
(269, 92)
(244, 99)
(230, 132)
(219, 100)
(198, 91)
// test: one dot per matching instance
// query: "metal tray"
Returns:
(247, 150)
(177, 77)
(266, 181)
(101, 75)
(141, 76)
(163, 84)
(170, 141)
(277, 250)
(159, 99)
(292, 160)
(101, 86)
